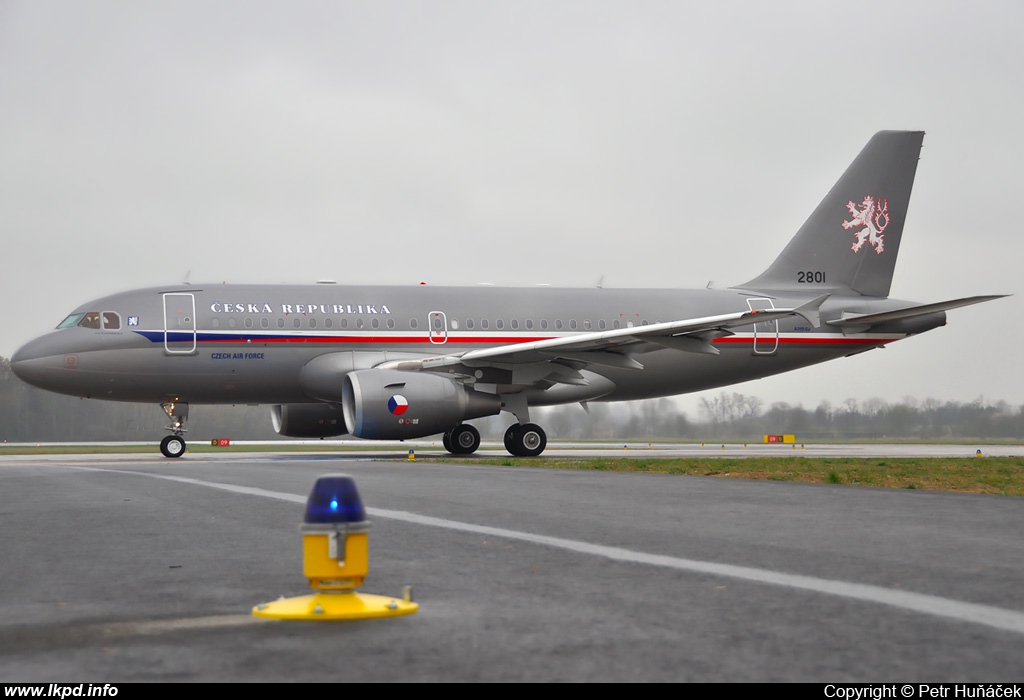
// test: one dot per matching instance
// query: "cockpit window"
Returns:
(91, 320)
(108, 320)
(70, 321)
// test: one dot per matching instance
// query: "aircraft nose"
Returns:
(21, 358)
(37, 362)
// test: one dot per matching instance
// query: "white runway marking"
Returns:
(999, 618)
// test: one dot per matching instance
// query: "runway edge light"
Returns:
(335, 555)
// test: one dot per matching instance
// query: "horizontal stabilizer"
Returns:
(910, 311)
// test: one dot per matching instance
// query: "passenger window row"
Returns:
(453, 324)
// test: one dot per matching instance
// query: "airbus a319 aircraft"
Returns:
(403, 362)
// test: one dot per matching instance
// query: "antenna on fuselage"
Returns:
(187, 275)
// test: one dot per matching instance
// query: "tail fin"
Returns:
(852, 238)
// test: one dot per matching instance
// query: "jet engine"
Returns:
(308, 420)
(383, 404)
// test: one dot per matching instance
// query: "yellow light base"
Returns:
(336, 606)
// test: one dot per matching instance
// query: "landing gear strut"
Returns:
(525, 440)
(463, 439)
(174, 444)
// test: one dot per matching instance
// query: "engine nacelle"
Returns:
(386, 404)
(308, 420)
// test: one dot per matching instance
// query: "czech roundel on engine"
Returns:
(398, 405)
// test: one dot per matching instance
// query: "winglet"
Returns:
(811, 309)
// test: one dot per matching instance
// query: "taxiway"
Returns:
(136, 568)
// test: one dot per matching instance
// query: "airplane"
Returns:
(406, 362)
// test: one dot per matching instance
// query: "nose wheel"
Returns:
(173, 445)
(525, 440)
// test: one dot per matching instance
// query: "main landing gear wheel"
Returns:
(462, 439)
(172, 446)
(525, 440)
(446, 440)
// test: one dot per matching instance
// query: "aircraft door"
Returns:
(179, 323)
(766, 335)
(437, 323)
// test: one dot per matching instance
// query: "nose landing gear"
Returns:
(174, 444)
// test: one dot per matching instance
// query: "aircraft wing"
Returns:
(613, 347)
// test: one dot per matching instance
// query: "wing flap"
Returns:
(608, 359)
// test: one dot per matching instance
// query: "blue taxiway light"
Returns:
(335, 499)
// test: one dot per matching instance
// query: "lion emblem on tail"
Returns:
(873, 216)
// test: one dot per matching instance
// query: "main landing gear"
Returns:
(463, 439)
(521, 440)
(525, 439)
(174, 444)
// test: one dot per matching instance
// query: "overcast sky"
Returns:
(662, 144)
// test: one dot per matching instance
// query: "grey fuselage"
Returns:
(248, 344)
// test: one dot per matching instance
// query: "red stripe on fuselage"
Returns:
(375, 339)
(515, 340)
(839, 340)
